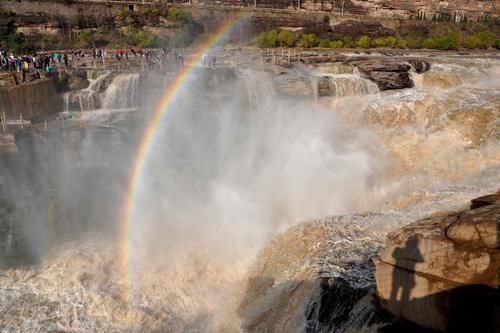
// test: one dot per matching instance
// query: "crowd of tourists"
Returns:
(45, 63)
(31, 63)
(164, 55)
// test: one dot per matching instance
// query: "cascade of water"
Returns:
(122, 92)
(338, 68)
(66, 102)
(260, 88)
(89, 97)
(349, 85)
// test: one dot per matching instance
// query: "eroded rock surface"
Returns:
(443, 272)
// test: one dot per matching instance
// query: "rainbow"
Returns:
(144, 149)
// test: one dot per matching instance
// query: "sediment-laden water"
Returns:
(217, 242)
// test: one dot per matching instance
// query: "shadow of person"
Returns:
(405, 258)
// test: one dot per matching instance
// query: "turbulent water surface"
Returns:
(217, 243)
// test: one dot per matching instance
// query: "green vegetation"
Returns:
(286, 38)
(13, 42)
(308, 40)
(365, 42)
(385, 42)
(268, 39)
(106, 37)
(450, 41)
(179, 15)
(88, 38)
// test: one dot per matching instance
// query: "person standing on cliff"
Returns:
(65, 59)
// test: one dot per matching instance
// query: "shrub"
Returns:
(384, 42)
(485, 38)
(326, 19)
(448, 42)
(471, 42)
(324, 43)
(337, 44)
(415, 40)
(496, 44)
(268, 39)
(349, 42)
(85, 39)
(179, 15)
(142, 38)
(286, 38)
(364, 42)
(308, 40)
(402, 43)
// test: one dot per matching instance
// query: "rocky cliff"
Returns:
(333, 18)
(443, 272)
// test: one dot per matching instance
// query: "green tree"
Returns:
(144, 39)
(308, 40)
(486, 39)
(286, 38)
(471, 42)
(448, 42)
(325, 43)
(364, 42)
(402, 43)
(337, 44)
(349, 42)
(179, 15)
(385, 42)
(268, 39)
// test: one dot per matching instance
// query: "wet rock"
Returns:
(492, 199)
(78, 80)
(431, 271)
(387, 74)
(391, 80)
(7, 144)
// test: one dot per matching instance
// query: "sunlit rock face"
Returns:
(442, 272)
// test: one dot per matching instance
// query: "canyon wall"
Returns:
(49, 17)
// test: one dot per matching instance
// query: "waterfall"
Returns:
(122, 93)
(260, 88)
(89, 98)
(338, 68)
(341, 80)
(342, 85)
(66, 102)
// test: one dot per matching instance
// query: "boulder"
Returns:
(390, 73)
(443, 272)
(391, 80)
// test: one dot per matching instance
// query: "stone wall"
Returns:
(34, 100)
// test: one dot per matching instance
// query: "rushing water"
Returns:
(216, 241)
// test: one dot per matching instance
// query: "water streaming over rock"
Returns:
(122, 92)
(260, 88)
(89, 98)
(224, 181)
